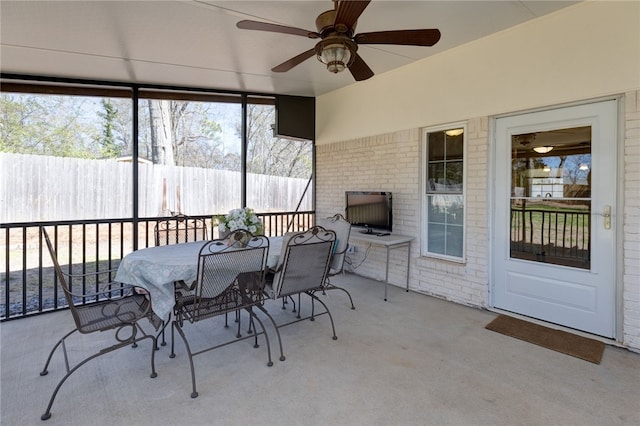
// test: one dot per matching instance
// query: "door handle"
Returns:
(607, 217)
(606, 213)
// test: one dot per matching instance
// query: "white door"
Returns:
(554, 216)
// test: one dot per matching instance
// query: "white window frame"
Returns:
(424, 249)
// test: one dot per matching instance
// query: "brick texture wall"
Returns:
(631, 223)
(392, 162)
(379, 163)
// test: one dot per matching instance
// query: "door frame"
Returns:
(618, 205)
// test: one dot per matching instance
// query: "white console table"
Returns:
(390, 241)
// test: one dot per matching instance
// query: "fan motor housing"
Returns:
(325, 25)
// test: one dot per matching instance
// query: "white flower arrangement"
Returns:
(236, 219)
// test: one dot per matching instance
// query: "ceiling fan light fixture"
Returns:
(542, 149)
(336, 52)
(335, 56)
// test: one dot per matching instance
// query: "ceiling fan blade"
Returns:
(402, 37)
(296, 60)
(348, 13)
(264, 26)
(359, 69)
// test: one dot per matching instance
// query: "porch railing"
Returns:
(28, 284)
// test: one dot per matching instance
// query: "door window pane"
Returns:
(551, 197)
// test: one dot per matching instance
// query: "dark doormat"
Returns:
(571, 344)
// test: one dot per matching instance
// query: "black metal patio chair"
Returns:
(338, 224)
(112, 307)
(302, 269)
(179, 229)
(230, 279)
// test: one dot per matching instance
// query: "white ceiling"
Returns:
(196, 43)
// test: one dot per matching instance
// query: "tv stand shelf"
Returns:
(389, 241)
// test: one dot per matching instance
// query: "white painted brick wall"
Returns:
(392, 162)
(380, 163)
(631, 223)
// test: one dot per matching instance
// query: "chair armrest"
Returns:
(117, 308)
(89, 274)
(107, 291)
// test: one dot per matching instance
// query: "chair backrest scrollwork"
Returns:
(180, 229)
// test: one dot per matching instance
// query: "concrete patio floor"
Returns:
(414, 360)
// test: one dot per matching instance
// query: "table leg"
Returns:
(408, 263)
(386, 276)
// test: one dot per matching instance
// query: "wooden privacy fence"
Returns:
(36, 188)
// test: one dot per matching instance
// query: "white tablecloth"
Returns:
(157, 268)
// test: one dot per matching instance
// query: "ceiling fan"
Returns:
(338, 44)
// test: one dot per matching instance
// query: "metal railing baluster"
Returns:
(38, 290)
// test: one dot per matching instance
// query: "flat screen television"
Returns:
(369, 209)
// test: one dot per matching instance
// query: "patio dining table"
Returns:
(157, 268)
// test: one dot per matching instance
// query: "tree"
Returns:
(171, 132)
(109, 146)
(274, 156)
(189, 133)
(161, 128)
(47, 125)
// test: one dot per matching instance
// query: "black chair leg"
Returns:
(333, 287)
(275, 326)
(47, 413)
(45, 370)
(194, 393)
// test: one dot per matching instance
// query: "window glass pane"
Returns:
(190, 157)
(446, 209)
(454, 237)
(437, 213)
(436, 177)
(437, 238)
(453, 176)
(278, 170)
(436, 146)
(454, 147)
(455, 209)
(64, 157)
